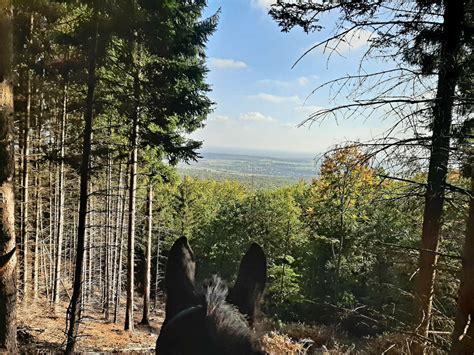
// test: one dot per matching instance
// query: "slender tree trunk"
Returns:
(25, 195)
(7, 200)
(108, 237)
(157, 273)
(38, 203)
(147, 276)
(89, 219)
(132, 208)
(45, 270)
(51, 224)
(60, 214)
(74, 309)
(118, 286)
(36, 255)
(434, 197)
(116, 238)
(463, 333)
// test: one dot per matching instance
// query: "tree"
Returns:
(463, 332)
(340, 202)
(7, 202)
(428, 39)
(74, 310)
(168, 89)
(147, 278)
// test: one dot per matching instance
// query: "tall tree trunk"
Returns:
(90, 221)
(132, 207)
(157, 272)
(118, 286)
(25, 195)
(147, 276)
(60, 214)
(108, 237)
(115, 238)
(51, 227)
(38, 198)
(74, 309)
(36, 255)
(438, 165)
(463, 333)
(7, 200)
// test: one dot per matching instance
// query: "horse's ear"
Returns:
(179, 278)
(248, 289)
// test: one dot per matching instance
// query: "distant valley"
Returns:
(255, 169)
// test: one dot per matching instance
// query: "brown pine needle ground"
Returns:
(41, 329)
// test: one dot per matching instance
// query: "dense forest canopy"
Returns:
(98, 103)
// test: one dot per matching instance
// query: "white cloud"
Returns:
(276, 99)
(257, 117)
(303, 80)
(351, 41)
(219, 118)
(262, 4)
(273, 82)
(221, 63)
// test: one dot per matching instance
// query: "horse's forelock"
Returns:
(227, 326)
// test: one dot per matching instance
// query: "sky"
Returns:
(259, 99)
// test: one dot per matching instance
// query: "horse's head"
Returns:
(209, 319)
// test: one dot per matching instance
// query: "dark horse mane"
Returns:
(231, 327)
(210, 319)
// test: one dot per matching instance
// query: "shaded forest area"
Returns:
(373, 255)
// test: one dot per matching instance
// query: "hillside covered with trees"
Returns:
(98, 103)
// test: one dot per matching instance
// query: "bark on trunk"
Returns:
(115, 237)
(60, 215)
(108, 238)
(118, 285)
(157, 272)
(38, 202)
(147, 276)
(25, 195)
(36, 255)
(7, 200)
(74, 309)
(132, 208)
(434, 197)
(463, 333)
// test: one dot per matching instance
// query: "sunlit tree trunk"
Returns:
(132, 206)
(118, 286)
(39, 200)
(92, 253)
(7, 200)
(116, 236)
(157, 272)
(60, 214)
(108, 238)
(36, 254)
(147, 270)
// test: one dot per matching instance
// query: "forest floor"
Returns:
(42, 330)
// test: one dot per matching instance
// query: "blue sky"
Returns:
(259, 99)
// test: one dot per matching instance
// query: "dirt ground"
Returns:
(42, 330)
